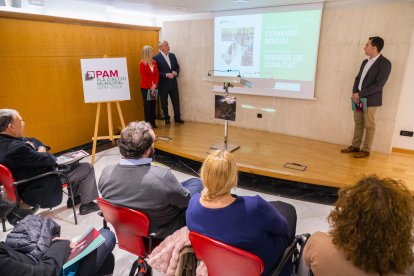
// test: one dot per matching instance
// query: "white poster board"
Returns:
(105, 80)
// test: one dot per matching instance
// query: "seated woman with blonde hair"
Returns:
(371, 232)
(247, 222)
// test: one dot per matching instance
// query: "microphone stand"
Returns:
(226, 146)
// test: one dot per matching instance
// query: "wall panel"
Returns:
(40, 74)
(344, 31)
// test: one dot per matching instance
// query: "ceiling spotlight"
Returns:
(240, 1)
(179, 8)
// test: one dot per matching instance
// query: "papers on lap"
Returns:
(91, 240)
(71, 157)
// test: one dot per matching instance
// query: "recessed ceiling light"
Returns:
(240, 1)
(179, 8)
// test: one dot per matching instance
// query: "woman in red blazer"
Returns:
(149, 83)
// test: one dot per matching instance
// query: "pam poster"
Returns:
(105, 80)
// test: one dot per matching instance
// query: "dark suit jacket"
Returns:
(374, 81)
(163, 68)
(24, 162)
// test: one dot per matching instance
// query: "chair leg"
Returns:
(70, 195)
(3, 222)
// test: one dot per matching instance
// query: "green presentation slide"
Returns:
(289, 44)
(276, 51)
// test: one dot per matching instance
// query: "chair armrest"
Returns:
(56, 172)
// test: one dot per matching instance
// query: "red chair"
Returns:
(223, 259)
(10, 187)
(131, 228)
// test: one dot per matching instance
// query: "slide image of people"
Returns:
(240, 49)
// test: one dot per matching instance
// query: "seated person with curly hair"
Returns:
(371, 232)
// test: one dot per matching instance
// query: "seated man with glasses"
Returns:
(27, 157)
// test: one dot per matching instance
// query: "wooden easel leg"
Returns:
(121, 118)
(95, 133)
(110, 124)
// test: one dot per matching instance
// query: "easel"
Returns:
(111, 136)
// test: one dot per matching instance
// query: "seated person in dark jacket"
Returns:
(135, 183)
(247, 222)
(50, 252)
(28, 157)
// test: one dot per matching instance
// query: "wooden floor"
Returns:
(266, 153)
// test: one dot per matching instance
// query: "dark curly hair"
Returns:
(135, 140)
(373, 223)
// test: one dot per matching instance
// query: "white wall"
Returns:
(344, 32)
(405, 117)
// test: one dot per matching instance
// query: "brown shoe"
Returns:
(361, 154)
(350, 149)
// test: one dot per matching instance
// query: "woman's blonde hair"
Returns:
(219, 174)
(145, 54)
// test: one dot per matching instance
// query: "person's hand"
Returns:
(41, 149)
(72, 243)
(174, 73)
(169, 75)
(355, 97)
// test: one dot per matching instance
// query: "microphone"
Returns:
(209, 71)
(238, 72)
(224, 71)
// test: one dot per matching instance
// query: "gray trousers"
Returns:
(82, 177)
(364, 120)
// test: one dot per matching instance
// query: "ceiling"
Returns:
(183, 7)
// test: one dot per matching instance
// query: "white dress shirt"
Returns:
(365, 70)
(167, 59)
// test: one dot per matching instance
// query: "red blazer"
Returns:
(148, 77)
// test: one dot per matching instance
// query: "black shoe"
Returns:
(77, 200)
(17, 214)
(179, 121)
(87, 208)
(350, 149)
(167, 121)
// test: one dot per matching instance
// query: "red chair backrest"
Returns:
(7, 180)
(131, 226)
(223, 259)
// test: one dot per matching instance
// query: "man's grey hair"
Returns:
(135, 140)
(6, 117)
(161, 42)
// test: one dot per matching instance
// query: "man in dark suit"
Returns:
(27, 157)
(169, 69)
(368, 84)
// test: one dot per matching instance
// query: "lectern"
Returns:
(227, 82)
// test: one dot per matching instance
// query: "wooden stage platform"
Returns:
(265, 153)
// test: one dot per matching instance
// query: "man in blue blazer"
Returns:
(169, 69)
(368, 84)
